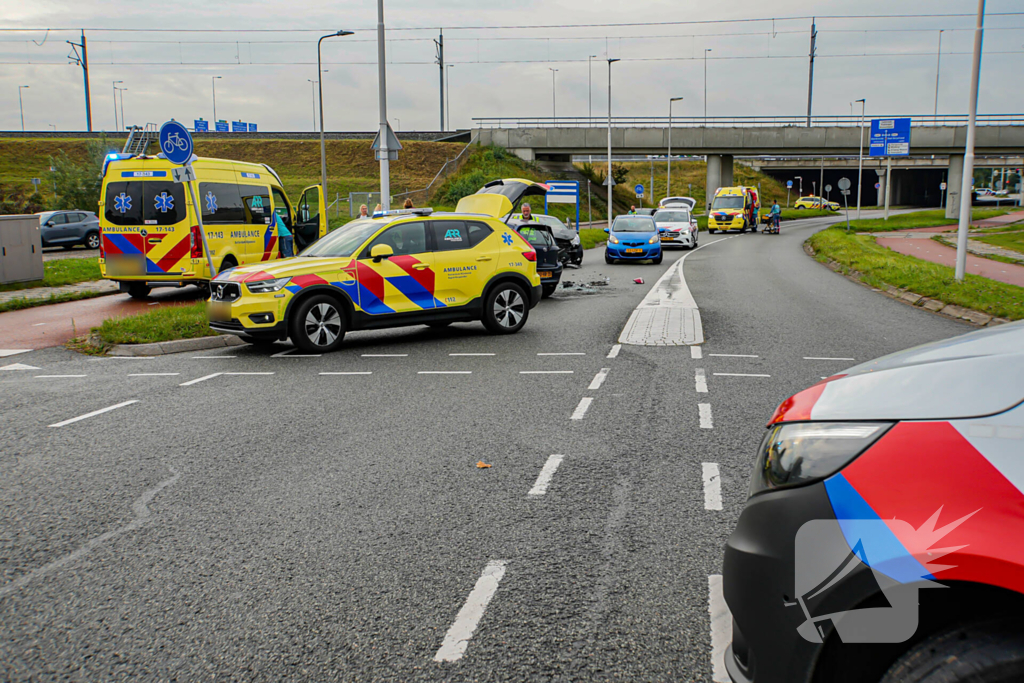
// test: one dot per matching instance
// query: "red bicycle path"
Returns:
(930, 250)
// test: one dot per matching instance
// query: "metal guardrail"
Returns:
(731, 121)
(449, 166)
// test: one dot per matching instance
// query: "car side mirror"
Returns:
(607, 230)
(49, 224)
(380, 252)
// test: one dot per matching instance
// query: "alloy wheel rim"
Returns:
(94, 242)
(323, 324)
(509, 308)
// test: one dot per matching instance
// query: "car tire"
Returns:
(139, 290)
(579, 260)
(228, 262)
(92, 240)
(506, 308)
(659, 258)
(548, 290)
(712, 232)
(608, 259)
(987, 652)
(318, 324)
(800, 208)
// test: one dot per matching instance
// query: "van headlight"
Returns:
(265, 286)
(803, 452)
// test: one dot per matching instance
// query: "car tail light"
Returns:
(196, 242)
(103, 254)
(530, 255)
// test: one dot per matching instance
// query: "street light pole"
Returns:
(968, 173)
(21, 107)
(312, 90)
(323, 145)
(115, 103)
(590, 103)
(213, 85)
(668, 170)
(609, 178)
(382, 103)
(121, 97)
(448, 95)
(554, 110)
(860, 153)
(706, 51)
(938, 62)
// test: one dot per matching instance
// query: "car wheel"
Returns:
(548, 290)
(991, 652)
(227, 263)
(800, 208)
(608, 259)
(92, 240)
(712, 231)
(579, 260)
(506, 309)
(659, 258)
(318, 326)
(139, 290)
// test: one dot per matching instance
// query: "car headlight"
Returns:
(653, 240)
(613, 239)
(575, 241)
(803, 452)
(265, 286)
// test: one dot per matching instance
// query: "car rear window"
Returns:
(537, 237)
(145, 202)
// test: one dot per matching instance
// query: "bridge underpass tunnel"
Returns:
(910, 186)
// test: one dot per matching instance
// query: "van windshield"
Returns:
(344, 241)
(728, 202)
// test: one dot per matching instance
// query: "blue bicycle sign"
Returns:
(175, 142)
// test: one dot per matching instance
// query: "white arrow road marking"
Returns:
(712, 486)
(540, 487)
(457, 639)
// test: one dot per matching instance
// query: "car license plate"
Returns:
(220, 311)
(544, 273)
(667, 238)
(634, 251)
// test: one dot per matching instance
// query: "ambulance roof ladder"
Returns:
(139, 139)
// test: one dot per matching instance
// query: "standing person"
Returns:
(284, 238)
(527, 212)
(363, 212)
(376, 209)
(776, 214)
(632, 210)
(408, 203)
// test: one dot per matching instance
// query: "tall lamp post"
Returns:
(968, 174)
(323, 145)
(860, 154)
(590, 105)
(213, 85)
(554, 110)
(120, 96)
(21, 107)
(609, 178)
(706, 51)
(448, 94)
(115, 103)
(938, 63)
(668, 173)
(312, 90)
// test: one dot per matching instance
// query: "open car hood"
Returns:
(499, 198)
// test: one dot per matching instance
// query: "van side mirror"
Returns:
(380, 252)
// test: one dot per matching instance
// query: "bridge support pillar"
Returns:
(524, 153)
(954, 177)
(719, 174)
(880, 200)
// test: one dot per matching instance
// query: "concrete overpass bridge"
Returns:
(721, 139)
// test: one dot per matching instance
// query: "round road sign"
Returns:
(878, 186)
(789, 183)
(176, 143)
(844, 183)
(828, 188)
(639, 189)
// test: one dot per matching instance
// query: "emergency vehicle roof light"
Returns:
(426, 211)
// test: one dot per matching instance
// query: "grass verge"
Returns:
(591, 237)
(879, 266)
(1014, 241)
(59, 272)
(932, 218)
(163, 324)
(18, 304)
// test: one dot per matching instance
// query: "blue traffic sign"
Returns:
(252, 127)
(201, 126)
(239, 127)
(176, 143)
(221, 126)
(890, 137)
(789, 183)
(639, 189)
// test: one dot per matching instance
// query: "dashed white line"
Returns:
(581, 409)
(93, 413)
(570, 353)
(705, 415)
(615, 350)
(457, 639)
(385, 355)
(721, 628)
(155, 374)
(598, 379)
(57, 376)
(200, 379)
(825, 358)
(546, 372)
(211, 357)
(243, 374)
(738, 374)
(733, 355)
(712, 486)
(472, 354)
(701, 381)
(347, 373)
(445, 372)
(540, 487)
(696, 353)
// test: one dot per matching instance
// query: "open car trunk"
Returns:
(499, 198)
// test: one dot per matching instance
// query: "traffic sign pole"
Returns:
(888, 184)
(176, 145)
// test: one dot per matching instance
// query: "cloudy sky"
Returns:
(503, 53)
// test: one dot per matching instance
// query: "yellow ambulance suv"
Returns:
(150, 235)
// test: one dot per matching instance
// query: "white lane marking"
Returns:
(125, 358)
(445, 372)
(155, 303)
(721, 628)
(472, 354)
(141, 510)
(57, 376)
(37, 324)
(570, 353)
(581, 409)
(712, 486)
(155, 374)
(347, 373)
(12, 352)
(18, 366)
(247, 373)
(546, 372)
(598, 379)
(201, 379)
(540, 487)
(825, 358)
(738, 374)
(696, 353)
(93, 413)
(705, 415)
(211, 357)
(385, 355)
(282, 354)
(615, 351)
(457, 639)
(701, 380)
(733, 355)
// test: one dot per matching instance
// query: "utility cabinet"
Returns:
(21, 249)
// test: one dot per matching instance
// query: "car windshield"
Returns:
(672, 217)
(633, 224)
(728, 202)
(344, 241)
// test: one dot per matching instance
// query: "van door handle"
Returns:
(484, 258)
(421, 266)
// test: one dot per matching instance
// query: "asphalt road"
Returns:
(295, 525)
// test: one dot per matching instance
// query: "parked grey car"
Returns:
(68, 228)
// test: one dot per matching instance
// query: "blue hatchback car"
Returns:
(633, 238)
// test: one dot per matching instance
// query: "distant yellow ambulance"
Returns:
(150, 234)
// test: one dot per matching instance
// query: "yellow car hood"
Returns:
(289, 267)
